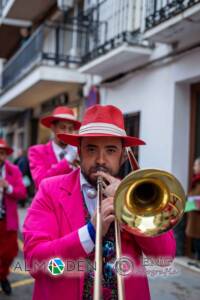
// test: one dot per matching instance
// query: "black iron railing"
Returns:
(159, 11)
(109, 23)
(54, 44)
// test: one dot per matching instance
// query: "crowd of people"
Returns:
(61, 220)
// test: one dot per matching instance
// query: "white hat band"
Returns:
(65, 116)
(103, 128)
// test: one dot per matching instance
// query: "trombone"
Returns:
(147, 203)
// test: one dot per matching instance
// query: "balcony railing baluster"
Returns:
(158, 11)
(110, 23)
(49, 43)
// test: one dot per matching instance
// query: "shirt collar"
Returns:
(83, 181)
(57, 149)
(87, 189)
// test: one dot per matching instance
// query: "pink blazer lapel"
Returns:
(51, 154)
(72, 200)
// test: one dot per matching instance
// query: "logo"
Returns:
(56, 266)
(124, 266)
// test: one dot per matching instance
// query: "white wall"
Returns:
(151, 94)
(162, 95)
(180, 135)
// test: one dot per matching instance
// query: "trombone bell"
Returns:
(149, 202)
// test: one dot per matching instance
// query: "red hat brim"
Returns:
(47, 121)
(8, 150)
(74, 139)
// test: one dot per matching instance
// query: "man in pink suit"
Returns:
(11, 190)
(55, 157)
(61, 222)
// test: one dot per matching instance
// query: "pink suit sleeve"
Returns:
(163, 246)
(18, 188)
(41, 242)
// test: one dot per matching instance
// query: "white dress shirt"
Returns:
(9, 189)
(71, 152)
(84, 235)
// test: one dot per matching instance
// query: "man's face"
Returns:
(100, 154)
(60, 127)
(3, 156)
(196, 167)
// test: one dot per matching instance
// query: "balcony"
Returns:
(25, 10)
(172, 21)
(16, 14)
(113, 41)
(44, 66)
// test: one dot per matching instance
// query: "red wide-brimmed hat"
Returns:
(61, 113)
(4, 146)
(102, 121)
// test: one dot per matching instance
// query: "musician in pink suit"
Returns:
(55, 157)
(12, 189)
(61, 222)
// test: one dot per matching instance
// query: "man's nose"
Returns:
(100, 158)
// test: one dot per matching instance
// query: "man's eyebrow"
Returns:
(107, 146)
(90, 145)
(112, 146)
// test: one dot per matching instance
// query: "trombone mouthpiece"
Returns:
(99, 180)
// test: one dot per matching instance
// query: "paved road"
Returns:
(22, 283)
(184, 286)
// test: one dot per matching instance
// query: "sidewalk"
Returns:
(21, 281)
(183, 261)
(22, 214)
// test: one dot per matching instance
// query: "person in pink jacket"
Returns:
(11, 190)
(60, 227)
(55, 157)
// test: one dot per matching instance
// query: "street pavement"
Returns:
(21, 281)
(184, 284)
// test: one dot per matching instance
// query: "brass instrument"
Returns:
(147, 203)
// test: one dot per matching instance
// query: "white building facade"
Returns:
(154, 72)
(143, 54)
(39, 58)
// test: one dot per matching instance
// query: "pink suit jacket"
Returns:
(51, 230)
(14, 178)
(43, 163)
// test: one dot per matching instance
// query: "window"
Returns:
(132, 122)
